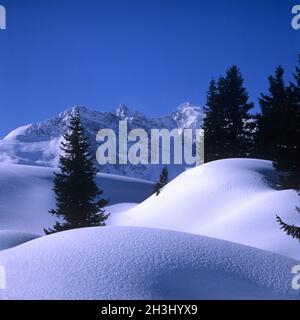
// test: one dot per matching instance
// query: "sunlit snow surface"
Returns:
(135, 256)
(235, 200)
(26, 195)
(137, 263)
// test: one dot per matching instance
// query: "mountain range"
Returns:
(38, 143)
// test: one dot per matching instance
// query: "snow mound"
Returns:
(119, 208)
(10, 239)
(137, 263)
(26, 195)
(233, 199)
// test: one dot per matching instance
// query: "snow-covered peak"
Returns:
(38, 143)
(124, 112)
(17, 132)
(75, 109)
(187, 106)
(82, 110)
(188, 115)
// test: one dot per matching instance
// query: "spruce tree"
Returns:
(294, 94)
(234, 97)
(163, 180)
(213, 124)
(227, 126)
(287, 151)
(78, 198)
(287, 148)
(290, 230)
(272, 124)
(290, 153)
(279, 127)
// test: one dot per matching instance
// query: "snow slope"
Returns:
(234, 199)
(38, 143)
(119, 208)
(26, 195)
(137, 263)
(10, 239)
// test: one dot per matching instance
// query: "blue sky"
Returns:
(149, 54)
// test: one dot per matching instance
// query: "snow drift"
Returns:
(10, 239)
(137, 263)
(234, 199)
(26, 195)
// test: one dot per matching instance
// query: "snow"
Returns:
(38, 144)
(210, 234)
(10, 238)
(234, 199)
(137, 263)
(26, 195)
(119, 208)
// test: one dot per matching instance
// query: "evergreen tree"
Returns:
(287, 148)
(234, 97)
(297, 75)
(290, 230)
(163, 180)
(227, 127)
(291, 153)
(272, 124)
(279, 127)
(287, 151)
(213, 124)
(78, 199)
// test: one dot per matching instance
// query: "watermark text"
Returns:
(157, 146)
(2, 18)
(296, 18)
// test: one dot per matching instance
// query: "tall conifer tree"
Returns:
(273, 119)
(234, 97)
(227, 127)
(78, 198)
(213, 124)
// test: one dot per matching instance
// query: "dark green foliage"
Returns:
(235, 99)
(78, 198)
(227, 125)
(279, 124)
(163, 180)
(290, 230)
(283, 106)
(273, 121)
(213, 124)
